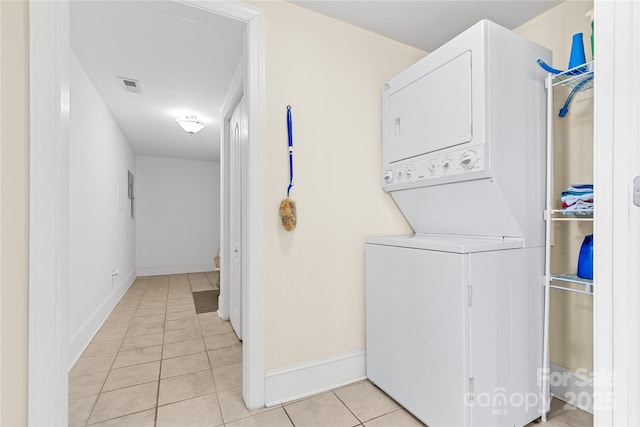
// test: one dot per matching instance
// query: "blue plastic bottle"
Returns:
(577, 56)
(585, 259)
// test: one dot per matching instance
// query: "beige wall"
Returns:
(331, 74)
(14, 147)
(571, 327)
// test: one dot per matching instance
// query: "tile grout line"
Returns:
(93, 407)
(391, 412)
(217, 392)
(288, 416)
(213, 380)
(110, 419)
(347, 406)
(220, 348)
(164, 331)
(188, 398)
(136, 364)
(132, 385)
(262, 410)
(149, 291)
(155, 408)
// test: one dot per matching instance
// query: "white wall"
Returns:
(178, 215)
(102, 233)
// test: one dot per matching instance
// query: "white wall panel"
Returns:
(178, 215)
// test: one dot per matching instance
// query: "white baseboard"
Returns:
(572, 387)
(174, 269)
(295, 382)
(85, 333)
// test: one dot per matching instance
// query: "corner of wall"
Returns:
(295, 382)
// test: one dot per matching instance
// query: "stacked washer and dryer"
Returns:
(454, 311)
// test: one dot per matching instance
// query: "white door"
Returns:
(238, 142)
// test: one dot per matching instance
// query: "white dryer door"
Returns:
(432, 113)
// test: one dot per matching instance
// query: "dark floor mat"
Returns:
(206, 301)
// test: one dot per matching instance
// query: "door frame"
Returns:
(252, 85)
(617, 220)
(49, 46)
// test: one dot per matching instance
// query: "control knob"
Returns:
(469, 159)
(388, 176)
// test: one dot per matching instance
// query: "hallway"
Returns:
(155, 353)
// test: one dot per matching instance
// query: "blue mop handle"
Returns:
(548, 68)
(290, 149)
(565, 108)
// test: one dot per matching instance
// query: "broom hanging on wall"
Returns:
(288, 206)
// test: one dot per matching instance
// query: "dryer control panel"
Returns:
(438, 168)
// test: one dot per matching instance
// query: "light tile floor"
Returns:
(155, 362)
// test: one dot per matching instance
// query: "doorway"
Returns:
(49, 216)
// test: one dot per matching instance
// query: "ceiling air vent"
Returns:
(130, 85)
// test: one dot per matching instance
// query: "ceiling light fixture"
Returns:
(191, 124)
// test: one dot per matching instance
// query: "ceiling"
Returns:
(183, 58)
(427, 24)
